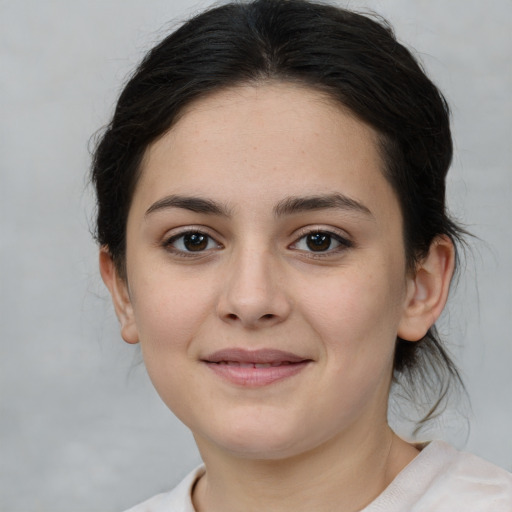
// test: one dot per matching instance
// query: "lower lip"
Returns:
(256, 377)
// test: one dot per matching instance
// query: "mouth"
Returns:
(255, 368)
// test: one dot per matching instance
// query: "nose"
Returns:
(253, 293)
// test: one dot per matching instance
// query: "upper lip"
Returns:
(261, 356)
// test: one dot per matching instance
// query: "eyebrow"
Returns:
(288, 206)
(337, 201)
(193, 204)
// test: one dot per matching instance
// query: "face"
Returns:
(266, 275)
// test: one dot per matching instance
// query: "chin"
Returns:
(257, 440)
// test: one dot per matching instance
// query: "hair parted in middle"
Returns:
(352, 59)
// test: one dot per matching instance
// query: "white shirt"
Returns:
(439, 479)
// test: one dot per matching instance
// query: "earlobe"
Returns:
(118, 289)
(427, 290)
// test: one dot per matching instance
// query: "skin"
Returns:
(318, 439)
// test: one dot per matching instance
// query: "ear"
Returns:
(118, 288)
(427, 290)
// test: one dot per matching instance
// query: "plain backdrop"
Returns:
(81, 428)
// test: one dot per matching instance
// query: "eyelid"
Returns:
(337, 234)
(178, 233)
(340, 236)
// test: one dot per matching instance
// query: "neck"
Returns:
(343, 474)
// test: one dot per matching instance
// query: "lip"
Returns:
(255, 368)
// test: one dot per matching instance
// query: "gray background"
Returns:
(81, 428)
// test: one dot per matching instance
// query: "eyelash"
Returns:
(168, 244)
(343, 242)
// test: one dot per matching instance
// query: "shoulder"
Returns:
(177, 500)
(443, 479)
(468, 482)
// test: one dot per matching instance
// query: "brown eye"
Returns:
(195, 241)
(190, 242)
(318, 242)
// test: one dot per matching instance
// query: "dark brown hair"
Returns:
(353, 58)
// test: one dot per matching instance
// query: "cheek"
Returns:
(358, 310)
(168, 319)
(169, 309)
(356, 316)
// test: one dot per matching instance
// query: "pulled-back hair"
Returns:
(355, 60)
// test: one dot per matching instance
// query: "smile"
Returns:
(254, 365)
(255, 368)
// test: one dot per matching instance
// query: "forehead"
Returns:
(283, 137)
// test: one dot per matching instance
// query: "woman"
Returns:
(273, 231)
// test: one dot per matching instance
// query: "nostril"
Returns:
(268, 316)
